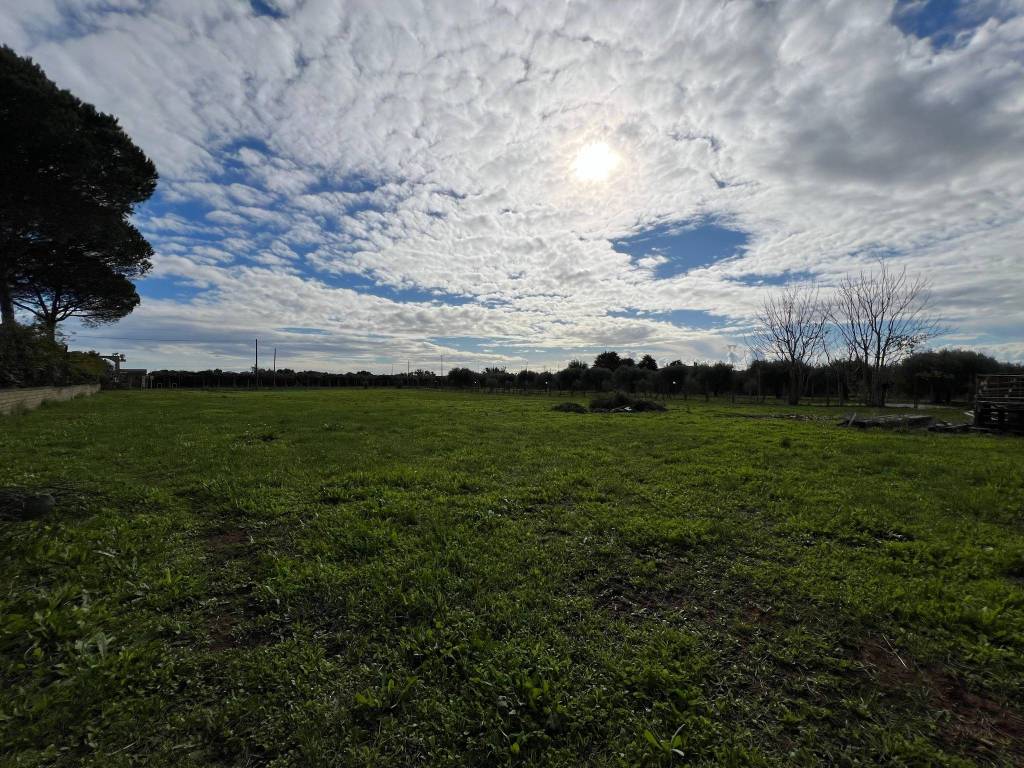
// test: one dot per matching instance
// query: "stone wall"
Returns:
(12, 400)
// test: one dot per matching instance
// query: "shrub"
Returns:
(86, 368)
(609, 402)
(618, 401)
(647, 405)
(30, 358)
(569, 408)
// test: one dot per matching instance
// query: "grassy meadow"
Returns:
(391, 578)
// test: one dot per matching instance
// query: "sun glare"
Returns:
(595, 162)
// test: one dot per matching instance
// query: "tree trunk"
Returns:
(6, 306)
(876, 393)
(794, 385)
(869, 384)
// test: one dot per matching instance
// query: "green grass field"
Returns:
(398, 578)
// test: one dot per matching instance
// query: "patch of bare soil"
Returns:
(234, 623)
(707, 597)
(623, 599)
(221, 628)
(971, 721)
(229, 622)
(991, 727)
(227, 540)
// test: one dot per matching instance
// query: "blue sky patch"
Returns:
(306, 331)
(164, 288)
(502, 354)
(780, 279)
(263, 8)
(360, 283)
(940, 21)
(685, 245)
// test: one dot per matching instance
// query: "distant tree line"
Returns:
(285, 378)
(943, 376)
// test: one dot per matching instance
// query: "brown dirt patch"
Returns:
(989, 726)
(623, 599)
(704, 592)
(235, 608)
(221, 628)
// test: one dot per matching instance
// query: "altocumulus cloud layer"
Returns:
(372, 181)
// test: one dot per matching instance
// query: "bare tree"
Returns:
(791, 327)
(880, 317)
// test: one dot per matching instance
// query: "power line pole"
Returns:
(275, 368)
(256, 368)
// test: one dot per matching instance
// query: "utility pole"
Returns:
(275, 368)
(442, 366)
(256, 368)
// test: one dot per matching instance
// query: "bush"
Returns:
(86, 368)
(647, 405)
(618, 401)
(569, 408)
(30, 358)
(608, 402)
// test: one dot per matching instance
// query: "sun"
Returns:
(595, 162)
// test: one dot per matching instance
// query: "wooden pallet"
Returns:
(999, 402)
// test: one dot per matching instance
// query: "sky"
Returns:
(373, 184)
